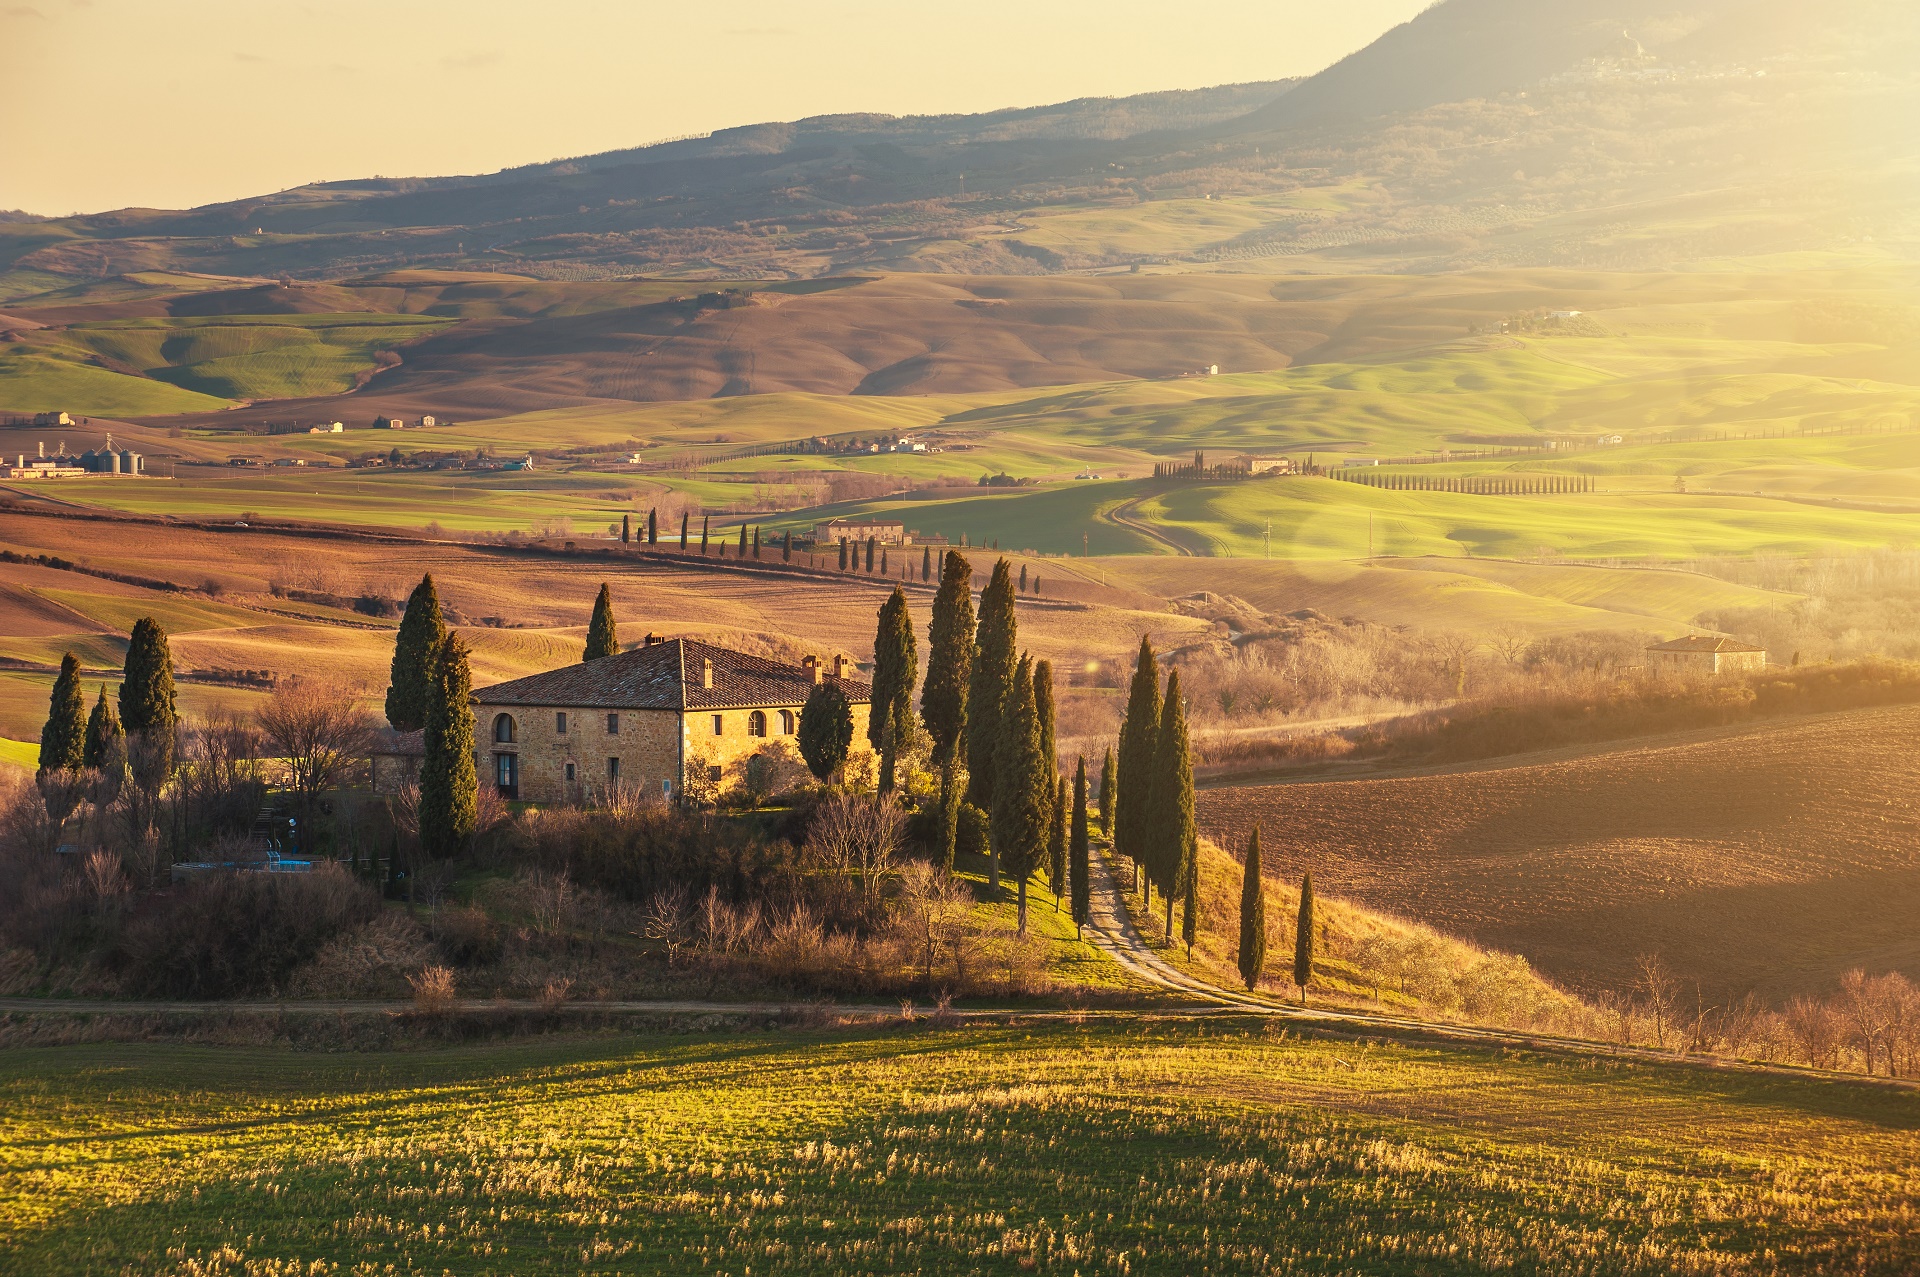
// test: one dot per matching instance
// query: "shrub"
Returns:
(467, 936)
(970, 837)
(230, 935)
(433, 991)
(376, 960)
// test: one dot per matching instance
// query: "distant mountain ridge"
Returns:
(1602, 133)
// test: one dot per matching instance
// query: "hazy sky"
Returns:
(171, 103)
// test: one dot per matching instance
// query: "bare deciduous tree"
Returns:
(856, 836)
(320, 736)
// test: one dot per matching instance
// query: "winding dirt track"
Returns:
(1123, 515)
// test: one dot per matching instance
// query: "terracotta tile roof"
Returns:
(1704, 643)
(668, 675)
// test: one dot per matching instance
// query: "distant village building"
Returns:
(428, 420)
(1704, 654)
(1268, 465)
(52, 419)
(885, 531)
(642, 718)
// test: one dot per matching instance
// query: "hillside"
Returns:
(1770, 859)
(1596, 133)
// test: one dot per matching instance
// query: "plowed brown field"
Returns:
(1771, 859)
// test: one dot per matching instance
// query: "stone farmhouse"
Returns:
(642, 718)
(1704, 654)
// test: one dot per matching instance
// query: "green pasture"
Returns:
(31, 381)
(1111, 1147)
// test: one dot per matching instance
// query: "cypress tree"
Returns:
(1190, 898)
(786, 547)
(1018, 824)
(602, 638)
(993, 667)
(743, 541)
(826, 729)
(884, 569)
(843, 554)
(63, 741)
(146, 700)
(653, 525)
(1106, 793)
(926, 564)
(626, 528)
(1253, 915)
(756, 542)
(103, 734)
(1023, 578)
(895, 667)
(1168, 828)
(683, 532)
(1139, 737)
(871, 542)
(421, 632)
(943, 698)
(448, 786)
(704, 530)
(1057, 843)
(1303, 937)
(1079, 857)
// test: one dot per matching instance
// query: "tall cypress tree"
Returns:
(1043, 703)
(843, 554)
(1303, 937)
(704, 530)
(1079, 852)
(884, 569)
(626, 528)
(63, 741)
(602, 638)
(756, 542)
(1139, 738)
(653, 525)
(1023, 578)
(993, 665)
(871, 542)
(414, 649)
(943, 698)
(786, 547)
(926, 564)
(743, 541)
(1253, 915)
(449, 787)
(1169, 828)
(1018, 826)
(683, 531)
(1106, 793)
(895, 667)
(103, 734)
(1057, 843)
(147, 708)
(1190, 897)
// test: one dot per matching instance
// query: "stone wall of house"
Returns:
(394, 772)
(646, 742)
(729, 748)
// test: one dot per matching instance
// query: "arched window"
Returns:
(757, 723)
(503, 730)
(786, 722)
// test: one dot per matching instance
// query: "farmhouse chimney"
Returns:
(839, 666)
(812, 665)
(706, 673)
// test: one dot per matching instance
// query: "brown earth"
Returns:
(1771, 859)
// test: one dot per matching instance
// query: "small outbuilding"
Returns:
(1705, 654)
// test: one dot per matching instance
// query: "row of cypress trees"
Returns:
(75, 738)
(1153, 825)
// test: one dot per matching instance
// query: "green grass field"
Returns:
(1110, 1148)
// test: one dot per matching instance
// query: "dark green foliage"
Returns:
(756, 543)
(626, 528)
(972, 830)
(1043, 705)
(947, 833)
(994, 657)
(895, 667)
(884, 569)
(1023, 789)
(1079, 855)
(743, 541)
(786, 548)
(1253, 915)
(1106, 793)
(843, 554)
(1139, 738)
(704, 531)
(871, 542)
(653, 526)
(146, 702)
(421, 632)
(683, 532)
(1190, 903)
(448, 785)
(63, 741)
(1023, 578)
(926, 563)
(826, 730)
(103, 744)
(1303, 937)
(943, 698)
(1170, 838)
(602, 638)
(1057, 843)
